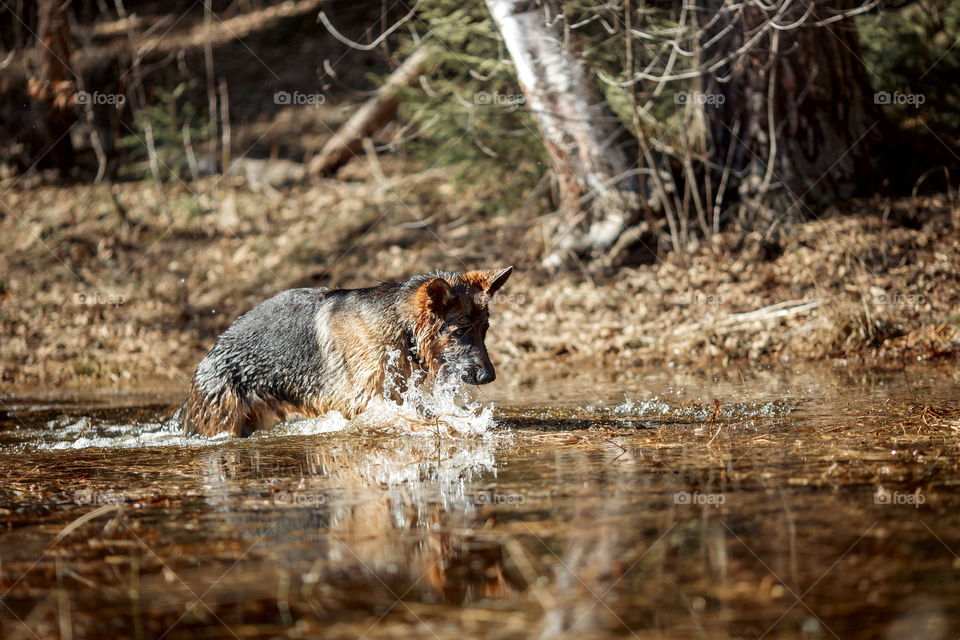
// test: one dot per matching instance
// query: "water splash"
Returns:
(652, 407)
(87, 433)
(409, 407)
(657, 407)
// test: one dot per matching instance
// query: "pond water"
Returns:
(741, 502)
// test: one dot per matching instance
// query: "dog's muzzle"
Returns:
(479, 375)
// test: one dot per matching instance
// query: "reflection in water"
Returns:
(751, 504)
(403, 509)
(920, 619)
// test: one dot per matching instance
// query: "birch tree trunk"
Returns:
(598, 190)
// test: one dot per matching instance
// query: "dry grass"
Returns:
(130, 284)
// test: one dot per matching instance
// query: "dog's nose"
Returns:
(484, 376)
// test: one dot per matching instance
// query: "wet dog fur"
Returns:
(305, 352)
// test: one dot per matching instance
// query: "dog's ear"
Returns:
(436, 295)
(488, 280)
(497, 279)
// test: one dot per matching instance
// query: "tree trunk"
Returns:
(54, 90)
(794, 113)
(598, 190)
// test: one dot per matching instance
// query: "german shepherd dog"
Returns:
(305, 352)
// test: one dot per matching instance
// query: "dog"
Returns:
(305, 352)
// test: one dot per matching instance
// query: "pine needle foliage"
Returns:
(470, 109)
(915, 51)
(168, 117)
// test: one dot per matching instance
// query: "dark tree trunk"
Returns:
(798, 95)
(54, 90)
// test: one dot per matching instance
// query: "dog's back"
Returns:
(308, 351)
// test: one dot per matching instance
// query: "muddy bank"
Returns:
(129, 284)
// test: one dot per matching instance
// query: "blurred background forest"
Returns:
(675, 182)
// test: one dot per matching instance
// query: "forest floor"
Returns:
(129, 284)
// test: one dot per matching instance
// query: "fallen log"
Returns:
(347, 142)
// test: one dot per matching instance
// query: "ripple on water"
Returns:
(444, 412)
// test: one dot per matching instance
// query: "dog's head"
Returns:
(451, 320)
